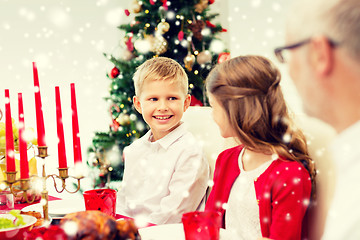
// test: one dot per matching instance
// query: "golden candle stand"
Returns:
(25, 183)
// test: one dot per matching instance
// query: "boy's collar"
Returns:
(170, 138)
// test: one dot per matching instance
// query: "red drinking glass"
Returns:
(103, 200)
(202, 225)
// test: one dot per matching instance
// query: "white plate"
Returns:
(59, 208)
(168, 231)
(29, 220)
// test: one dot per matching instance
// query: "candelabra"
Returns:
(25, 183)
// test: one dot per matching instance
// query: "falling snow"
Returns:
(67, 42)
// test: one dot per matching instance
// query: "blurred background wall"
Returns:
(67, 40)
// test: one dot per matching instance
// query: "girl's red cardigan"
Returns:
(282, 191)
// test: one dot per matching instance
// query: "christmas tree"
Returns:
(181, 30)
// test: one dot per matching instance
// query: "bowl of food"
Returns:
(13, 225)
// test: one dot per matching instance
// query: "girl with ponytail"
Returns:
(262, 186)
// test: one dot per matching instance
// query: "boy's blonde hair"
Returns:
(160, 68)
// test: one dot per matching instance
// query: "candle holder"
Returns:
(25, 183)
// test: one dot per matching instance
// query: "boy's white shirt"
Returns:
(163, 179)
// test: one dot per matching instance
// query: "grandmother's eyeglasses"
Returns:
(281, 53)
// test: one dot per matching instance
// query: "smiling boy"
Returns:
(166, 173)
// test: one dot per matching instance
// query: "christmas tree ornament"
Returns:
(114, 72)
(135, 7)
(211, 1)
(159, 44)
(206, 31)
(181, 35)
(223, 57)
(127, 12)
(104, 170)
(216, 46)
(163, 27)
(195, 102)
(115, 125)
(181, 32)
(165, 4)
(129, 44)
(143, 45)
(204, 57)
(92, 159)
(196, 27)
(123, 119)
(189, 61)
(127, 55)
(201, 6)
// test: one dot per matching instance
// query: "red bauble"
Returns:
(165, 6)
(223, 57)
(127, 13)
(114, 72)
(181, 35)
(115, 125)
(129, 44)
(195, 102)
(211, 1)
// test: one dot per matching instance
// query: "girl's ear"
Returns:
(137, 104)
(187, 102)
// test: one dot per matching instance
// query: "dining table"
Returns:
(148, 231)
(55, 220)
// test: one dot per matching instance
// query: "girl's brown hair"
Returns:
(248, 89)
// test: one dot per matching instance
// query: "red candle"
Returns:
(38, 108)
(9, 146)
(60, 130)
(24, 165)
(75, 126)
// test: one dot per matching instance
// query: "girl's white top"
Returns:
(242, 213)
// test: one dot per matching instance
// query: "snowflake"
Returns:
(276, 7)
(186, 194)
(255, 3)
(70, 228)
(224, 206)
(218, 204)
(141, 221)
(59, 18)
(210, 183)
(296, 180)
(114, 16)
(217, 46)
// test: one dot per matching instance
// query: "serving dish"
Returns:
(16, 233)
